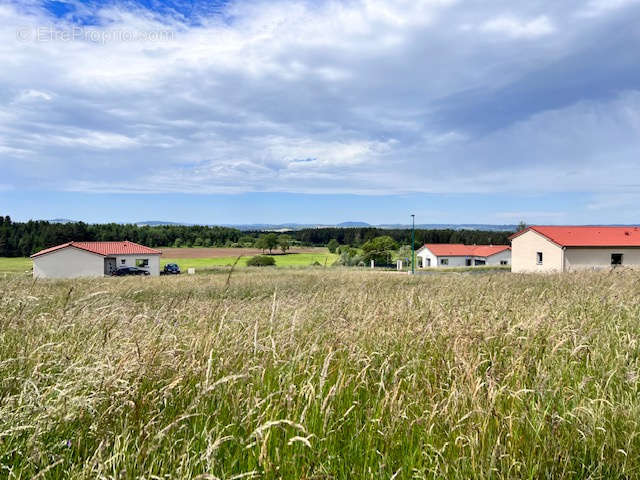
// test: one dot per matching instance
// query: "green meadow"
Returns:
(290, 260)
(321, 374)
(21, 264)
(15, 265)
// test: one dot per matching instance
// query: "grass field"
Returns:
(15, 265)
(321, 374)
(290, 260)
(187, 257)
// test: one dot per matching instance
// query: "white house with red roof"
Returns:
(94, 259)
(567, 248)
(458, 255)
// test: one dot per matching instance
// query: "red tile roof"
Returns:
(588, 236)
(459, 250)
(104, 248)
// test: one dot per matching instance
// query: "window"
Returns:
(504, 262)
(444, 261)
(479, 262)
(123, 261)
(142, 262)
(539, 258)
(616, 259)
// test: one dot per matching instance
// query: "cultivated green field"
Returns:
(291, 260)
(321, 374)
(20, 264)
(15, 265)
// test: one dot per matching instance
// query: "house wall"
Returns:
(453, 262)
(597, 258)
(426, 254)
(130, 261)
(498, 257)
(457, 261)
(68, 262)
(524, 249)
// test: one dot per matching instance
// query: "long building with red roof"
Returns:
(458, 255)
(94, 259)
(566, 248)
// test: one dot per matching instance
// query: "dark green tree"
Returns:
(284, 242)
(380, 249)
(270, 241)
(333, 245)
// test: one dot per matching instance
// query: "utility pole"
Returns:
(413, 244)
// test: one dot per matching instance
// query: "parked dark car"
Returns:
(121, 272)
(171, 269)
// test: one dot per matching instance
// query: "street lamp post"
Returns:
(413, 244)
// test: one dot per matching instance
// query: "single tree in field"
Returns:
(380, 249)
(333, 245)
(284, 241)
(261, 243)
(270, 241)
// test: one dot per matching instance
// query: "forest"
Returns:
(21, 239)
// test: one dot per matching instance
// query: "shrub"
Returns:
(261, 261)
(333, 245)
(349, 257)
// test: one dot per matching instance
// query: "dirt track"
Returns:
(228, 252)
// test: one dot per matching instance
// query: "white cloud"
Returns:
(358, 96)
(595, 8)
(33, 95)
(516, 28)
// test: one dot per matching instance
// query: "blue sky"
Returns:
(321, 111)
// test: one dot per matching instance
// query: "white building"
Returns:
(561, 249)
(93, 259)
(458, 255)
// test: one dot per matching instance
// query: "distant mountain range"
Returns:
(60, 220)
(424, 226)
(299, 226)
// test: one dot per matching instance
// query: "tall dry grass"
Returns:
(321, 375)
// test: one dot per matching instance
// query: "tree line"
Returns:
(19, 239)
(359, 236)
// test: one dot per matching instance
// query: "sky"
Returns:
(273, 111)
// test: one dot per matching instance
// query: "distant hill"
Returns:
(398, 226)
(158, 223)
(353, 224)
(60, 220)
(283, 227)
(454, 226)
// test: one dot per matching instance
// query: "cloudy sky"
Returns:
(321, 111)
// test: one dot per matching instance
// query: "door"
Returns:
(109, 265)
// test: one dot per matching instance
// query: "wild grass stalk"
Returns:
(321, 374)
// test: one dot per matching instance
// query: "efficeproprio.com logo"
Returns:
(41, 34)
